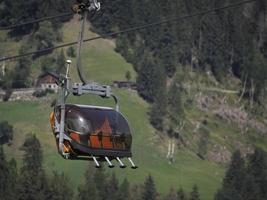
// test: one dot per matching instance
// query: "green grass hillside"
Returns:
(101, 63)
(99, 60)
(32, 117)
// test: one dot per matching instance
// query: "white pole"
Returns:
(4, 68)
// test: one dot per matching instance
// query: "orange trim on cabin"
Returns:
(75, 137)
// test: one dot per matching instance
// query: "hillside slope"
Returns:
(103, 64)
(216, 123)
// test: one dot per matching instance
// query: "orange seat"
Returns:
(52, 120)
(95, 142)
(107, 144)
(75, 137)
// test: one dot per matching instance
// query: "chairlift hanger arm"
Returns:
(91, 88)
(83, 7)
(95, 89)
(79, 89)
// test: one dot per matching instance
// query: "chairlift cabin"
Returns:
(93, 131)
(86, 132)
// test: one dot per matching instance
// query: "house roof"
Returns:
(48, 77)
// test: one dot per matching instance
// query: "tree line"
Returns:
(6, 132)
(19, 12)
(30, 181)
(231, 42)
(245, 179)
(228, 42)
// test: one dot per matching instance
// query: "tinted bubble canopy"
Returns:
(97, 127)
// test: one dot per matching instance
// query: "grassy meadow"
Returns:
(101, 63)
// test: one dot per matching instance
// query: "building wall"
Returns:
(51, 86)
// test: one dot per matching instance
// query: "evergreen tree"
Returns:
(172, 195)
(48, 64)
(181, 194)
(61, 62)
(167, 49)
(60, 188)
(3, 173)
(158, 111)
(175, 106)
(22, 70)
(256, 179)
(54, 7)
(151, 85)
(104, 23)
(32, 180)
(6, 84)
(113, 188)
(233, 181)
(89, 188)
(6, 132)
(123, 47)
(100, 180)
(124, 190)
(71, 52)
(245, 183)
(7, 177)
(194, 195)
(136, 192)
(20, 12)
(12, 182)
(150, 192)
(45, 37)
(250, 191)
(128, 75)
(150, 78)
(257, 71)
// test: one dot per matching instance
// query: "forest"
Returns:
(245, 179)
(231, 42)
(31, 182)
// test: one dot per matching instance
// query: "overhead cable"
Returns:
(35, 21)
